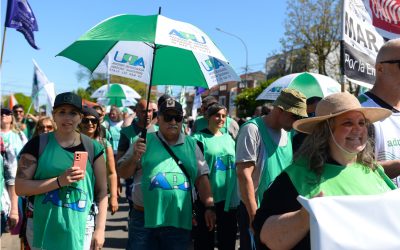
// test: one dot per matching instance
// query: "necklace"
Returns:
(72, 142)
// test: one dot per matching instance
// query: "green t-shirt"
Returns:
(59, 217)
(166, 190)
(219, 153)
(354, 179)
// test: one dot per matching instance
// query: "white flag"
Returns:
(39, 82)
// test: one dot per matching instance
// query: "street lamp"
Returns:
(245, 47)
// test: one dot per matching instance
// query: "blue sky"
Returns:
(258, 22)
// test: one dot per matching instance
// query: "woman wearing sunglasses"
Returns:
(219, 153)
(44, 125)
(91, 127)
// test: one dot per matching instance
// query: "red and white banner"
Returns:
(366, 26)
(385, 15)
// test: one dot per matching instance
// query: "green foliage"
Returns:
(21, 99)
(246, 100)
(312, 27)
(83, 93)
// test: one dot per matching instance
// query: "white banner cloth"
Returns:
(354, 222)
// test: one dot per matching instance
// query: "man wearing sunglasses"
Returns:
(264, 149)
(167, 183)
(25, 123)
(385, 93)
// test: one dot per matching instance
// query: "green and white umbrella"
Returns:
(116, 94)
(152, 49)
(310, 84)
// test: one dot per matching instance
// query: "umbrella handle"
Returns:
(143, 134)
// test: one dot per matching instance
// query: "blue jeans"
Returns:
(169, 238)
(138, 236)
(165, 238)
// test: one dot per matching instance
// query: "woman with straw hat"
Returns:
(335, 154)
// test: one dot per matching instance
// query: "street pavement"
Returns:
(116, 231)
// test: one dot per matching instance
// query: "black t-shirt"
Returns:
(279, 198)
(32, 148)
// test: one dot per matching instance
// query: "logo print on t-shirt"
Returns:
(224, 163)
(169, 181)
(68, 197)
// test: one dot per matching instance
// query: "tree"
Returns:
(21, 99)
(246, 100)
(312, 31)
(98, 80)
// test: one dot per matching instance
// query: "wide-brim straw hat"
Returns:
(337, 104)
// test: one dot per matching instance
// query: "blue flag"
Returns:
(20, 17)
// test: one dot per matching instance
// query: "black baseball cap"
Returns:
(68, 98)
(6, 111)
(90, 111)
(170, 104)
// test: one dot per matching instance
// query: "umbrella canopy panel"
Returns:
(184, 54)
(310, 84)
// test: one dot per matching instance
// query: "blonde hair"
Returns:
(40, 123)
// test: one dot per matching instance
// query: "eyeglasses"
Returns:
(392, 62)
(177, 118)
(49, 127)
(91, 120)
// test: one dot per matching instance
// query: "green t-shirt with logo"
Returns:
(59, 217)
(219, 153)
(166, 190)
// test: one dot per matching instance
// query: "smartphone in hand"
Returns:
(80, 159)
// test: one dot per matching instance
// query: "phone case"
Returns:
(80, 159)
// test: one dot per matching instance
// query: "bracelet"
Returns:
(212, 208)
(58, 183)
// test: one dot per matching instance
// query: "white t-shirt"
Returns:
(387, 135)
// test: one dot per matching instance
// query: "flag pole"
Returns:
(2, 46)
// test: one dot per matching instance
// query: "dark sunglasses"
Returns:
(47, 127)
(87, 120)
(392, 62)
(177, 118)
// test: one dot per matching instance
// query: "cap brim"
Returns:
(307, 125)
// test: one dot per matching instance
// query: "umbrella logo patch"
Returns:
(169, 181)
(211, 64)
(129, 59)
(276, 89)
(187, 36)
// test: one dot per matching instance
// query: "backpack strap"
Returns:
(88, 145)
(43, 140)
